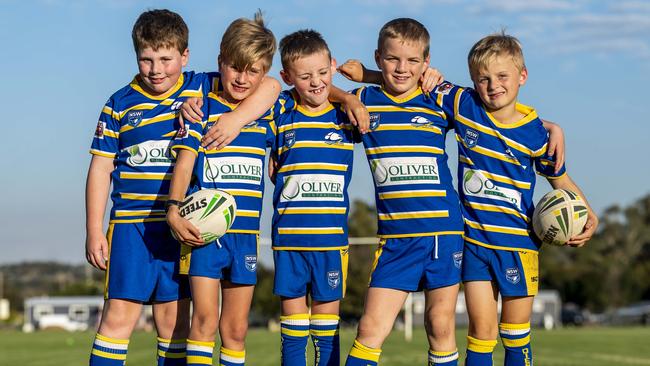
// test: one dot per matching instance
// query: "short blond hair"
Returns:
(302, 43)
(497, 44)
(247, 41)
(160, 28)
(405, 29)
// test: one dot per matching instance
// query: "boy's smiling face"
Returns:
(402, 64)
(498, 83)
(311, 75)
(240, 84)
(159, 70)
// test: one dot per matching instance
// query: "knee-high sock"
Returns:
(324, 330)
(516, 341)
(171, 352)
(108, 351)
(228, 357)
(479, 352)
(361, 355)
(295, 332)
(199, 353)
(443, 358)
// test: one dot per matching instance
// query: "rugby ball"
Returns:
(559, 215)
(212, 211)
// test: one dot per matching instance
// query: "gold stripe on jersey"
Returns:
(492, 132)
(393, 108)
(244, 192)
(318, 145)
(465, 160)
(144, 197)
(497, 228)
(159, 118)
(182, 147)
(309, 230)
(141, 106)
(412, 215)
(496, 208)
(235, 149)
(323, 125)
(248, 213)
(413, 194)
(108, 110)
(408, 127)
(149, 176)
(111, 133)
(312, 210)
(413, 235)
(503, 179)
(487, 152)
(313, 166)
(242, 231)
(103, 153)
(404, 148)
(313, 249)
(127, 213)
(486, 245)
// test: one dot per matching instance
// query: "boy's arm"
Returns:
(273, 167)
(556, 146)
(356, 111)
(250, 109)
(184, 230)
(98, 184)
(355, 71)
(565, 182)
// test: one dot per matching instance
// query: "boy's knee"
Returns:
(483, 330)
(439, 326)
(205, 324)
(373, 330)
(233, 333)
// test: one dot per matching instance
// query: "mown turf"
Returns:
(564, 347)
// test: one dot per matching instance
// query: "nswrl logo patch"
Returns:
(458, 259)
(374, 121)
(512, 275)
(333, 279)
(251, 262)
(471, 137)
(289, 138)
(134, 118)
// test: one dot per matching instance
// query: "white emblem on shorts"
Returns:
(251, 262)
(333, 279)
(512, 275)
(458, 259)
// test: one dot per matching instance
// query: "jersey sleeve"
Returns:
(545, 164)
(189, 137)
(448, 96)
(106, 140)
(198, 86)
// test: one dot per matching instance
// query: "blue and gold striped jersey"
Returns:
(314, 153)
(406, 151)
(136, 129)
(239, 167)
(496, 169)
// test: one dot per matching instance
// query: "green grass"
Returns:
(565, 347)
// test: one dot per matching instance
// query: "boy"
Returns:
(311, 167)
(499, 142)
(246, 54)
(420, 224)
(131, 150)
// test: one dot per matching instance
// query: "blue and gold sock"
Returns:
(443, 358)
(361, 355)
(479, 352)
(295, 332)
(516, 341)
(199, 353)
(108, 351)
(324, 331)
(171, 352)
(228, 357)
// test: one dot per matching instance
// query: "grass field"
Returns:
(565, 347)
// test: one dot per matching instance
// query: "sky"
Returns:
(588, 64)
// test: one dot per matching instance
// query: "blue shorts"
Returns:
(232, 258)
(143, 263)
(321, 273)
(415, 264)
(515, 272)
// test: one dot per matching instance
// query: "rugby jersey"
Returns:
(310, 200)
(237, 168)
(496, 169)
(136, 129)
(405, 148)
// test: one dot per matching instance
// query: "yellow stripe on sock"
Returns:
(325, 316)
(113, 356)
(201, 360)
(516, 342)
(111, 340)
(511, 326)
(365, 353)
(295, 333)
(479, 345)
(294, 317)
(324, 333)
(232, 353)
(442, 353)
(200, 343)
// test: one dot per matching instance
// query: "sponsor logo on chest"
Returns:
(313, 187)
(149, 153)
(232, 169)
(411, 170)
(475, 184)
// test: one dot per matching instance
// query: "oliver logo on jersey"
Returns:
(232, 169)
(313, 187)
(477, 185)
(333, 279)
(407, 170)
(134, 118)
(149, 153)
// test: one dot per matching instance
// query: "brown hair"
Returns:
(160, 28)
(246, 41)
(406, 29)
(494, 45)
(299, 44)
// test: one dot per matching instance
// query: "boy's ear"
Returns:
(219, 62)
(523, 76)
(333, 65)
(285, 77)
(377, 58)
(185, 57)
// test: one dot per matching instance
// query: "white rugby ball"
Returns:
(212, 211)
(559, 215)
